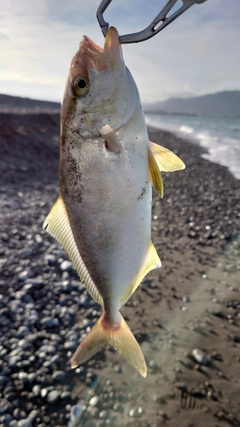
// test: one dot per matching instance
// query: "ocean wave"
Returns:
(220, 137)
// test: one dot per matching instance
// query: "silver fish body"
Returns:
(113, 202)
(107, 167)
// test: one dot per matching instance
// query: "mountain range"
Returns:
(221, 104)
(19, 105)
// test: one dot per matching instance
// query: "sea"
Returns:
(220, 136)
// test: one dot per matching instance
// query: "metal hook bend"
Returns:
(154, 28)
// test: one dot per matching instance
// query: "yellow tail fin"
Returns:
(119, 337)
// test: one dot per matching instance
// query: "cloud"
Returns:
(196, 53)
(36, 51)
(192, 52)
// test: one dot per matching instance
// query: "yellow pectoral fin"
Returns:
(155, 173)
(57, 224)
(150, 261)
(167, 161)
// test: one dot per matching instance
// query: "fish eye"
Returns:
(80, 85)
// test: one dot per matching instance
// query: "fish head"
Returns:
(100, 90)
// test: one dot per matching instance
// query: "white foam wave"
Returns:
(186, 129)
(222, 150)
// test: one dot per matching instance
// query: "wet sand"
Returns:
(192, 302)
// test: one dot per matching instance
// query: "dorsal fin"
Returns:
(57, 224)
(150, 261)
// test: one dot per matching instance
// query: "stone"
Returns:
(200, 356)
(32, 337)
(55, 358)
(12, 361)
(47, 363)
(34, 414)
(235, 338)
(22, 331)
(136, 412)
(32, 377)
(65, 277)
(49, 349)
(66, 395)
(3, 380)
(7, 406)
(94, 401)
(6, 419)
(24, 423)
(23, 376)
(70, 345)
(65, 265)
(36, 390)
(24, 343)
(28, 288)
(103, 414)
(19, 414)
(50, 322)
(59, 376)
(23, 275)
(50, 259)
(53, 396)
(44, 392)
(25, 253)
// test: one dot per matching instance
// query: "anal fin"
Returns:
(150, 261)
(57, 224)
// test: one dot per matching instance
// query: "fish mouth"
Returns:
(94, 56)
(112, 42)
(89, 47)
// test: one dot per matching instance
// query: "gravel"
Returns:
(44, 308)
(37, 305)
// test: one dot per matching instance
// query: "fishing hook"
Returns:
(158, 24)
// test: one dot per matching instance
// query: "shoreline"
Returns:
(195, 229)
(220, 137)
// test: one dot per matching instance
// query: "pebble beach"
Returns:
(186, 315)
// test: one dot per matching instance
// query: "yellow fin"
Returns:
(150, 261)
(118, 336)
(167, 161)
(57, 224)
(155, 173)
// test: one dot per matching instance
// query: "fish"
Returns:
(107, 168)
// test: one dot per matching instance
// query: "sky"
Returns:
(196, 54)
